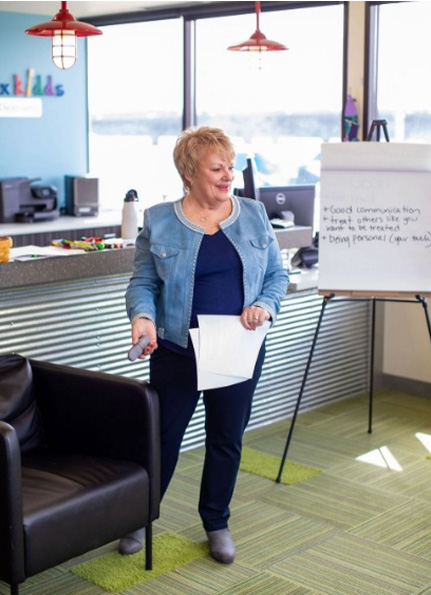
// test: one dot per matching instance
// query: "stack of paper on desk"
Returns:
(226, 352)
(25, 253)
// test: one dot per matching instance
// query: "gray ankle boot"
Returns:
(221, 546)
(132, 543)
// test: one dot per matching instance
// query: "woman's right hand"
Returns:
(141, 327)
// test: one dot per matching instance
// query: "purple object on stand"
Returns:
(351, 124)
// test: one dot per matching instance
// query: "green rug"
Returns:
(115, 572)
(264, 465)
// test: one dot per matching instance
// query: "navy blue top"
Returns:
(218, 287)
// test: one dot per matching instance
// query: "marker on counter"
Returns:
(138, 348)
(88, 244)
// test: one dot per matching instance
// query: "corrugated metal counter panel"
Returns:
(79, 323)
(83, 324)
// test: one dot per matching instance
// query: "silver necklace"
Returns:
(203, 218)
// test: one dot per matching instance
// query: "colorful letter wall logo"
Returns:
(33, 86)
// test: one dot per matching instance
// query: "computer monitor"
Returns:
(298, 199)
(250, 188)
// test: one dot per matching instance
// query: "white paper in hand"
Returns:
(207, 380)
(226, 352)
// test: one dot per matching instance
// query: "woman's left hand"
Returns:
(254, 316)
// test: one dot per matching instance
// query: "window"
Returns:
(281, 110)
(135, 110)
(278, 113)
(402, 95)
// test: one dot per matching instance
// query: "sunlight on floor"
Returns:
(425, 439)
(381, 457)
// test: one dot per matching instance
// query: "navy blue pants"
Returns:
(227, 411)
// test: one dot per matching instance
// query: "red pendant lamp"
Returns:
(258, 42)
(64, 29)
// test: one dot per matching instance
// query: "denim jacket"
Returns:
(162, 284)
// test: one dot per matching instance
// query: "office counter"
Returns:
(70, 310)
(66, 268)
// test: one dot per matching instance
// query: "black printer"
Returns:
(23, 202)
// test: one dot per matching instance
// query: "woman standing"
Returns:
(207, 253)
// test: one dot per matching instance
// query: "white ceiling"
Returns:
(88, 9)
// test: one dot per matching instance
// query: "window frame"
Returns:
(192, 13)
(371, 66)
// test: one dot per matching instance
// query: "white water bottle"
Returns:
(129, 221)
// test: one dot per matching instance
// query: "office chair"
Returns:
(79, 464)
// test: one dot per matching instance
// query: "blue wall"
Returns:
(56, 144)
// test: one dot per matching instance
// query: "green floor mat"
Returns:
(115, 572)
(264, 465)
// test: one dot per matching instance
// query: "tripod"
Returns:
(378, 126)
(326, 300)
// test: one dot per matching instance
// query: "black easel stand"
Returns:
(325, 302)
(378, 126)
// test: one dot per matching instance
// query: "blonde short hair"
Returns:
(189, 145)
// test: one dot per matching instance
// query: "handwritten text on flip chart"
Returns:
(354, 225)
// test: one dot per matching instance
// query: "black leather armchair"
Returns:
(79, 464)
